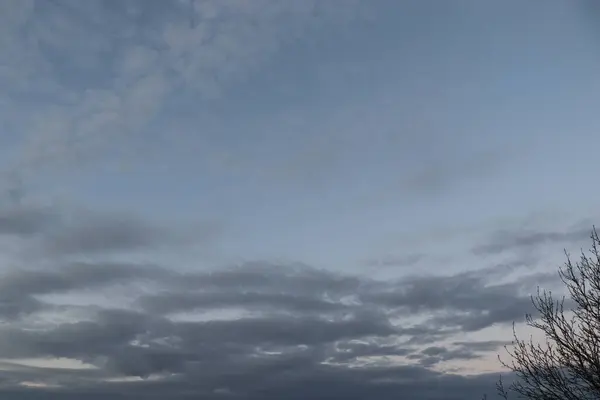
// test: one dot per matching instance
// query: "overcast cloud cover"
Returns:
(285, 199)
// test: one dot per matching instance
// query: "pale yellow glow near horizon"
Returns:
(55, 363)
(32, 384)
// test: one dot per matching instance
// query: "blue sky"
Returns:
(378, 139)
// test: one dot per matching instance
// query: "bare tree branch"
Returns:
(567, 365)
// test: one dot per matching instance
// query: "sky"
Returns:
(265, 199)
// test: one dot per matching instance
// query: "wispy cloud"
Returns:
(128, 63)
(53, 231)
(523, 239)
(395, 261)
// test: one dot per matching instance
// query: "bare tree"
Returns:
(567, 365)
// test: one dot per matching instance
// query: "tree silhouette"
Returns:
(567, 365)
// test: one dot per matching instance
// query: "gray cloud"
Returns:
(20, 220)
(294, 382)
(54, 230)
(93, 234)
(486, 345)
(469, 291)
(435, 354)
(438, 176)
(350, 350)
(506, 240)
(18, 289)
(297, 322)
(395, 261)
(16, 306)
(74, 276)
(459, 351)
(269, 277)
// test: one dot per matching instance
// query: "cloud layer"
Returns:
(253, 330)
